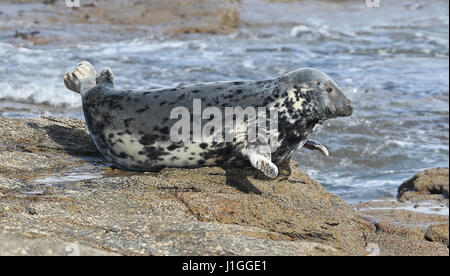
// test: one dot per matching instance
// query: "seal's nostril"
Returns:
(350, 106)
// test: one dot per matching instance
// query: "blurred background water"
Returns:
(391, 61)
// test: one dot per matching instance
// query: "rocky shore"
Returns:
(38, 22)
(408, 218)
(57, 193)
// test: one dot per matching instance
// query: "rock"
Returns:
(417, 197)
(393, 245)
(56, 189)
(438, 233)
(163, 17)
(31, 148)
(394, 218)
(51, 2)
(52, 190)
(416, 224)
(11, 246)
(398, 213)
(429, 184)
(416, 233)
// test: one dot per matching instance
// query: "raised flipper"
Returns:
(313, 145)
(260, 158)
(106, 77)
(82, 78)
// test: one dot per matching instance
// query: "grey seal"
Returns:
(132, 128)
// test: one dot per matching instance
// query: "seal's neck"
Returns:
(319, 108)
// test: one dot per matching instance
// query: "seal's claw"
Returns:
(313, 145)
(323, 150)
(260, 158)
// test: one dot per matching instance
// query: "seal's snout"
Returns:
(338, 105)
(345, 109)
(349, 108)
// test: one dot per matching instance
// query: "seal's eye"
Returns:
(318, 83)
(329, 89)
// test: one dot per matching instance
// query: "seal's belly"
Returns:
(145, 151)
(128, 152)
(132, 129)
(142, 142)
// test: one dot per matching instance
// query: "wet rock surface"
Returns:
(394, 245)
(164, 17)
(438, 233)
(201, 211)
(418, 216)
(55, 190)
(403, 223)
(430, 184)
(11, 246)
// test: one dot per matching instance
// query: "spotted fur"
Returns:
(132, 129)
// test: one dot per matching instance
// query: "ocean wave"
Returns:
(39, 93)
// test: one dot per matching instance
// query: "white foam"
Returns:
(299, 30)
(132, 47)
(70, 176)
(426, 207)
(40, 93)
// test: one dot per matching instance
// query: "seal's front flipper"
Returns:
(313, 145)
(267, 167)
(259, 157)
(82, 78)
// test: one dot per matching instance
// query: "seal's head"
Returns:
(327, 96)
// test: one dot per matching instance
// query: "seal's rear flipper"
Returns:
(83, 78)
(106, 77)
